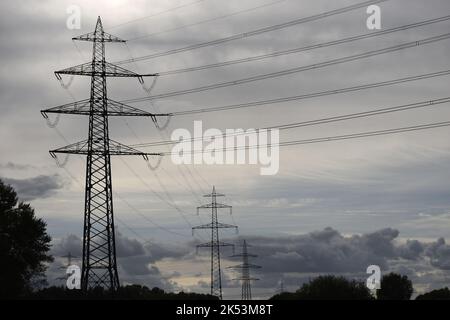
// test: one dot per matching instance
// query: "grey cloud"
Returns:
(41, 186)
(135, 259)
(439, 253)
(16, 166)
(326, 251)
(292, 258)
(413, 249)
(71, 243)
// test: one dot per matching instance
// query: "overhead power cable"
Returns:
(285, 72)
(307, 48)
(255, 32)
(235, 13)
(366, 134)
(315, 94)
(350, 116)
(156, 14)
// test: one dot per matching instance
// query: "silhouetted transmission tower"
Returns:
(99, 266)
(245, 269)
(69, 257)
(215, 243)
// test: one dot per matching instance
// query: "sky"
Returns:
(333, 207)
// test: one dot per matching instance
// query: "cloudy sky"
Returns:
(333, 207)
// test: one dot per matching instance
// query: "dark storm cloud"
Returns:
(41, 186)
(292, 258)
(327, 251)
(135, 259)
(439, 253)
(300, 258)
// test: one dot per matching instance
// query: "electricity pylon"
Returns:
(215, 243)
(69, 257)
(245, 271)
(99, 267)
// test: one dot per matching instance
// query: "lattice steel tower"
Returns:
(99, 266)
(245, 271)
(215, 243)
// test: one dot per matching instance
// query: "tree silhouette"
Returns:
(439, 294)
(395, 287)
(24, 244)
(329, 288)
(130, 292)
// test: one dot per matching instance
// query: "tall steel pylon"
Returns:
(99, 267)
(215, 243)
(245, 271)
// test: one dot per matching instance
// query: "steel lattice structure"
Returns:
(99, 267)
(215, 243)
(245, 271)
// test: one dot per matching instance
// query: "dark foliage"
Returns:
(131, 292)
(329, 288)
(395, 287)
(24, 244)
(439, 294)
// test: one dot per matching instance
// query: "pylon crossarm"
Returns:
(241, 255)
(115, 148)
(217, 225)
(110, 70)
(95, 36)
(220, 243)
(215, 205)
(245, 266)
(115, 108)
(203, 226)
(214, 195)
(78, 107)
(244, 279)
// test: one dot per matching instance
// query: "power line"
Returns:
(169, 202)
(148, 219)
(129, 205)
(334, 138)
(285, 72)
(306, 48)
(357, 115)
(255, 32)
(190, 189)
(156, 14)
(172, 203)
(235, 13)
(315, 94)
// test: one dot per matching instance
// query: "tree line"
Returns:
(24, 257)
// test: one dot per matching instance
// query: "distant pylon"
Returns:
(281, 286)
(69, 257)
(215, 244)
(245, 271)
(99, 266)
